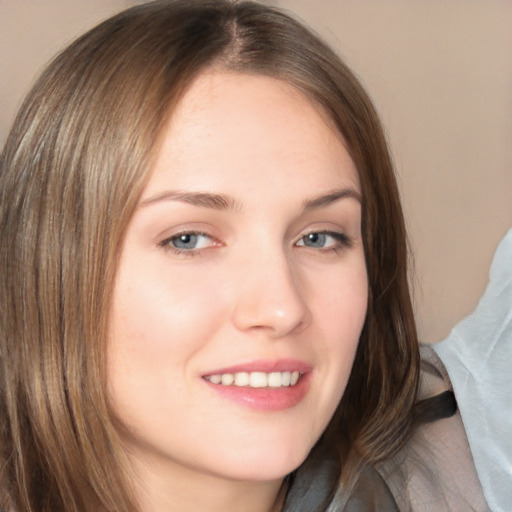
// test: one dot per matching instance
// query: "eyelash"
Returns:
(342, 242)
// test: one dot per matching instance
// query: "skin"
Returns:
(256, 284)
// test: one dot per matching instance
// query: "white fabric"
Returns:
(478, 357)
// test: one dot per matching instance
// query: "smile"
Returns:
(255, 379)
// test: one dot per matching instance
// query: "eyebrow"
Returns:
(224, 202)
(202, 199)
(324, 200)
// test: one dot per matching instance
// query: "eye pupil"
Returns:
(185, 241)
(315, 239)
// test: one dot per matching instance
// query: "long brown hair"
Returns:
(72, 170)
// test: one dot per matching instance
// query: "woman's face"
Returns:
(241, 290)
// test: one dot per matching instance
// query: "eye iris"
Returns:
(186, 241)
(315, 240)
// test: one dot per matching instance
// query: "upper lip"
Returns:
(265, 366)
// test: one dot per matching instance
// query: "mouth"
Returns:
(262, 385)
(255, 380)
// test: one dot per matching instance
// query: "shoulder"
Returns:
(435, 470)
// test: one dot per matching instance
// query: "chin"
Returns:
(265, 465)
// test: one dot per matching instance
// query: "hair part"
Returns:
(71, 173)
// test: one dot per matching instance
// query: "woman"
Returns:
(204, 280)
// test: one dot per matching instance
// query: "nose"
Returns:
(269, 298)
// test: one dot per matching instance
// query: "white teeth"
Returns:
(215, 379)
(242, 379)
(286, 378)
(274, 380)
(255, 379)
(228, 379)
(258, 380)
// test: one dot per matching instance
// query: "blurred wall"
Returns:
(31, 32)
(440, 73)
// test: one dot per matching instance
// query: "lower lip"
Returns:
(265, 399)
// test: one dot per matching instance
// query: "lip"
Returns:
(264, 399)
(266, 366)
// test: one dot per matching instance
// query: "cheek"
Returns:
(339, 302)
(341, 312)
(153, 309)
(158, 323)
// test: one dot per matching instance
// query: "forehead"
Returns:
(232, 125)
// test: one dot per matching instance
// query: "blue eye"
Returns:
(315, 240)
(187, 242)
(324, 240)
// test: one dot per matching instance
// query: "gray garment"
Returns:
(478, 357)
(434, 472)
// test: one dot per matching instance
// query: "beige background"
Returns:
(440, 72)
